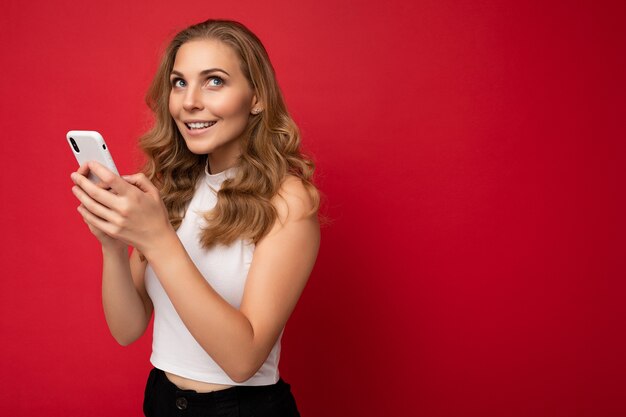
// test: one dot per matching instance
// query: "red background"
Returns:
(472, 158)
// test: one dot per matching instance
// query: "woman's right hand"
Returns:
(106, 241)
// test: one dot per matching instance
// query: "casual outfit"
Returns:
(175, 350)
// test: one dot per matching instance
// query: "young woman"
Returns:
(223, 225)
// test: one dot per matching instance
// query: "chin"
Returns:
(197, 150)
(197, 147)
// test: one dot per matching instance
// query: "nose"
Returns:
(193, 99)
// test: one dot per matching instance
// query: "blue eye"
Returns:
(178, 82)
(218, 79)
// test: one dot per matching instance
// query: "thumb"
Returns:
(140, 181)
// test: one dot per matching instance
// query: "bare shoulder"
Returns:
(294, 201)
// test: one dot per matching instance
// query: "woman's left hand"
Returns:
(132, 210)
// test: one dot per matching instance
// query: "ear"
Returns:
(256, 105)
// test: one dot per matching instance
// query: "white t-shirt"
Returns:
(225, 268)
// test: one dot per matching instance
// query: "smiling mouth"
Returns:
(199, 125)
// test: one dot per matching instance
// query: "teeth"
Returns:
(202, 125)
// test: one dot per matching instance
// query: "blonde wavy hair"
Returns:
(270, 145)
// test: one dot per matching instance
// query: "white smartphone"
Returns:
(88, 145)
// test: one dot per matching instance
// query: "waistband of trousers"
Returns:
(221, 395)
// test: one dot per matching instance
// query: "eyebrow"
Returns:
(205, 72)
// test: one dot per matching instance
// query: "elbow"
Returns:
(123, 341)
(243, 373)
(126, 334)
(241, 376)
(239, 379)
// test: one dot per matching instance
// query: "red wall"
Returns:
(472, 157)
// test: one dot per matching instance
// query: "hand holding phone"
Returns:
(132, 212)
(88, 145)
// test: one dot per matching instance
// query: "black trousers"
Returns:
(162, 398)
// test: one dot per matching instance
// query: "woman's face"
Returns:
(211, 100)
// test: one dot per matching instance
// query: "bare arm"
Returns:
(280, 268)
(127, 307)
